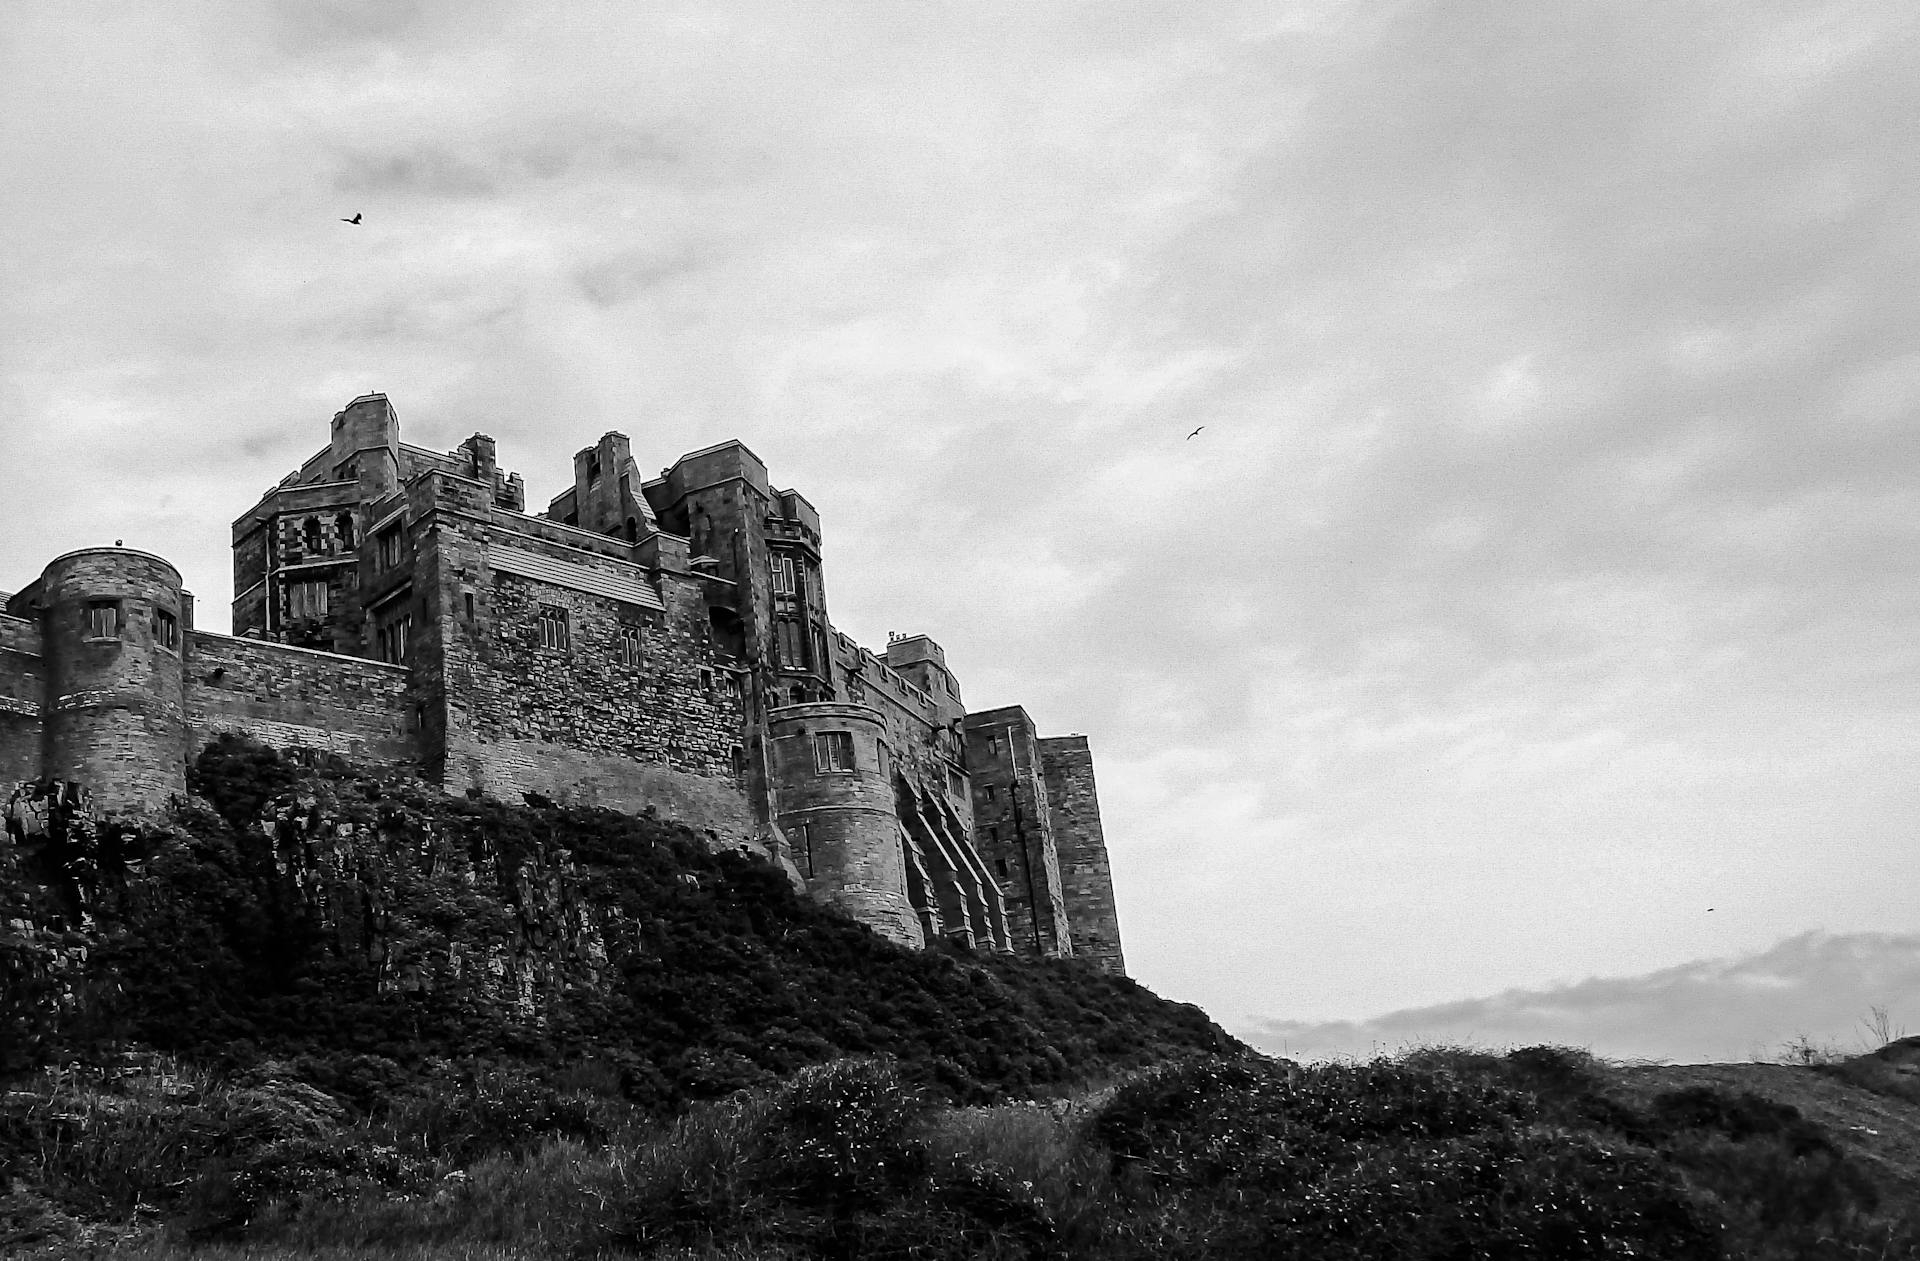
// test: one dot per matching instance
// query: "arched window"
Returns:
(633, 530)
(315, 536)
(343, 527)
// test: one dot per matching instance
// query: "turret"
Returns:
(115, 627)
(834, 800)
(365, 446)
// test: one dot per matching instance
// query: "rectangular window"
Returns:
(783, 583)
(390, 548)
(706, 679)
(833, 751)
(166, 629)
(790, 643)
(956, 785)
(103, 619)
(989, 792)
(993, 746)
(630, 654)
(393, 639)
(993, 835)
(553, 627)
(306, 600)
(1000, 865)
(467, 596)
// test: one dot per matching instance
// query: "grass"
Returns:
(1540, 1152)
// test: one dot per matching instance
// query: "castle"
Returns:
(654, 643)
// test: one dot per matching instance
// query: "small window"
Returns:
(166, 629)
(833, 751)
(306, 601)
(988, 790)
(315, 537)
(993, 746)
(630, 645)
(393, 639)
(626, 488)
(956, 785)
(593, 471)
(553, 627)
(739, 756)
(103, 619)
(802, 843)
(1000, 865)
(706, 679)
(467, 597)
(993, 834)
(783, 581)
(343, 530)
(390, 548)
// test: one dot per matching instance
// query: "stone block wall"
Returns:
(1013, 828)
(23, 689)
(507, 713)
(287, 697)
(1085, 879)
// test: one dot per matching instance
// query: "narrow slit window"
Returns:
(630, 644)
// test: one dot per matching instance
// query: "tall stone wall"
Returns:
(1013, 827)
(289, 697)
(586, 721)
(1085, 879)
(23, 688)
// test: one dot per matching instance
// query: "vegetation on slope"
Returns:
(340, 1015)
(1437, 1155)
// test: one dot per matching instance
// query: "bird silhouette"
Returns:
(1195, 434)
(355, 219)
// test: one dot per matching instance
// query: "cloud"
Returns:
(1818, 986)
(1541, 575)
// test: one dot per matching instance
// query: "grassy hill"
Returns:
(334, 1014)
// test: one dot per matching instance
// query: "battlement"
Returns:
(657, 644)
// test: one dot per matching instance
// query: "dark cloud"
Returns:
(423, 169)
(1817, 986)
(1542, 567)
(626, 276)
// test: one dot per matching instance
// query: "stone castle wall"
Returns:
(296, 697)
(1085, 877)
(662, 645)
(23, 687)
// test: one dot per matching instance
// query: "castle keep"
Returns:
(656, 643)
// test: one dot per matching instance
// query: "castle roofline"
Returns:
(718, 446)
(114, 551)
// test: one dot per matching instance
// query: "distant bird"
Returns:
(355, 219)
(1195, 434)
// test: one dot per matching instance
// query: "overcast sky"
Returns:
(1538, 603)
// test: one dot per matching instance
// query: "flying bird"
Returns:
(355, 219)
(1195, 434)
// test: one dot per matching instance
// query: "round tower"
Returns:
(115, 624)
(833, 797)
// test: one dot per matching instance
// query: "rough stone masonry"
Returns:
(645, 643)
